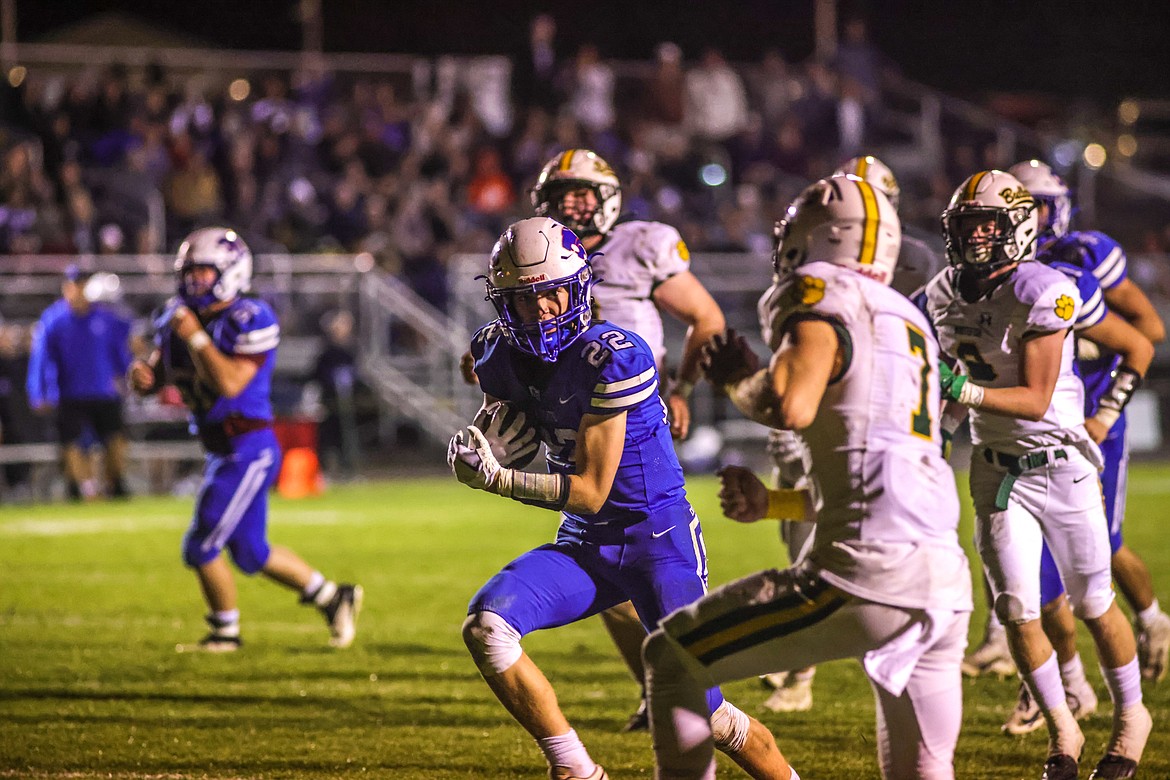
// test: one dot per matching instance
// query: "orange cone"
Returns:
(300, 475)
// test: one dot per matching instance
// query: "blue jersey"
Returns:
(247, 327)
(606, 371)
(1092, 251)
(78, 357)
(1096, 374)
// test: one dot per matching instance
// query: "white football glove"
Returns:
(513, 441)
(470, 457)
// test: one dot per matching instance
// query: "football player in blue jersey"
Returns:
(1110, 377)
(627, 532)
(217, 345)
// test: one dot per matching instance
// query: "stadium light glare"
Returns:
(1127, 145)
(1065, 153)
(1094, 156)
(16, 76)
(1128, 111)
(239, 90)
(713, 175)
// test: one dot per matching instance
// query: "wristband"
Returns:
(198, 340)
(550, 491)
(745, 393)
(786, 504)
(1107, 417)
(971, 395)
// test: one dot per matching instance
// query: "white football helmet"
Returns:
(570, 170)
(876, 173)
(843, 220)
(222, 249)
(533, 256)
(990, 222)
(1049, 189)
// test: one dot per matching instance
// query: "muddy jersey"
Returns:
(987, 338)
(634, 259)
(887, 531)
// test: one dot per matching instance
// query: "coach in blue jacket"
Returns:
(80, 352)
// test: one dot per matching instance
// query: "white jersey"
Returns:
(987, 338)
(634, 259)
(887, 531)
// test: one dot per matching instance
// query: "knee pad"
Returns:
(729, 727)
(1011, 609)
(493, 643)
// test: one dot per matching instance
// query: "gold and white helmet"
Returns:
(843, 220)
(990, 222)
(571, 170)
(876, 173)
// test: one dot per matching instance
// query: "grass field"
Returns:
(94, 600)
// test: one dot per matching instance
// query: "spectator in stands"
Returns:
(16, 427)
(80, 352)
(590, 83)
(716, 99)
(534, 75)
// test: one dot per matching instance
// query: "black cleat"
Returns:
(639, 721)
(342, 612)
(1114, 767)
(1060, 767)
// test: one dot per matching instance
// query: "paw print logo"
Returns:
(682, 250)
(1065, 307)
(812, 290)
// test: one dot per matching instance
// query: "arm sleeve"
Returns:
(1093, 308)
(41, 382)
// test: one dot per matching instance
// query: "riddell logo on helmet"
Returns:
(533, 279)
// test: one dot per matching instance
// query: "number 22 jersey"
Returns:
(606, 370)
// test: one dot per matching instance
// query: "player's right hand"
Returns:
(742, 496)
(140, 376)
(470, 457)
(727, 358)
(949, 382)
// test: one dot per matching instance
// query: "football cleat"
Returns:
(1081, 702)
(1114, 767)
(991, 657)
(639, 721)
(1060, 767)
(562, 773)
(1026, 717)
(342, 613)
(795, 695)
(217, 643)
(774, 680)
(1153, 640)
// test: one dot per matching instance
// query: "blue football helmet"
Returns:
(534, 256)
(1049, 189)
(222, 249)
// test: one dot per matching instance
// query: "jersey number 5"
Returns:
(920, 421)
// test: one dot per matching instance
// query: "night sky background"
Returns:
(1101, 50)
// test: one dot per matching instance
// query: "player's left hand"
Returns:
(470, 457)
(742, 496)
(184, 323)
(680, 415)
(727, 358)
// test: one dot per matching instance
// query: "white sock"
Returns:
(994, 627)
(1048, 691)
(1125, 685)
(226, 622)
(1147, 615)
(793, 776)
(567, 750)
(1072, 672)
(320, 591)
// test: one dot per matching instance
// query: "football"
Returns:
(515, 442)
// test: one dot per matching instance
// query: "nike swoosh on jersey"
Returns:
(1082, 479)
(564, 401)
(662, 533)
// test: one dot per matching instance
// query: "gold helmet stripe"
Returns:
(869, 228)
(862, 165)
(973, 185)
(567, 159)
